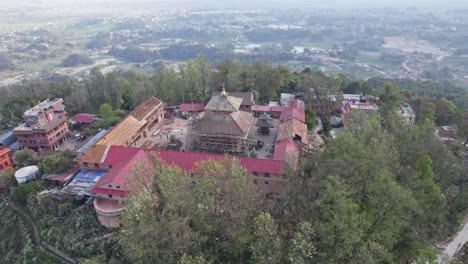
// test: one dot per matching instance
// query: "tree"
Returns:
(76, 60)
(463, 128)
(193, 260)
(7, 177)
(266, 246)
(96, 87)
(25, 157)
(58, 163)
(390, 99)
(172, 215)
(320, 89)
(446, 112)
(21, 193)
(109, 116)
(341, 229)
(310, 120)
(14, 107)
(326, 126)
(376, 193)
(427, 113)
(424, 171)
(302, 248)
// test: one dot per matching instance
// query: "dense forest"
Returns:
(381, 192)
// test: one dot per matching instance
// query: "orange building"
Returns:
(5, 161)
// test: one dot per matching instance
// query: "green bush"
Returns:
(21, 193)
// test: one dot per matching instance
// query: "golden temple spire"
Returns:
(223, 93)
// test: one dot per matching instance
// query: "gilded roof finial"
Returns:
(223, 93)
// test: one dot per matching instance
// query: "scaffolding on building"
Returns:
(214, 141)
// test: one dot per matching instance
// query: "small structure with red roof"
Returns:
(192, 108)
(83, 118)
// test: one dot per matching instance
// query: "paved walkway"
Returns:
(460, 239)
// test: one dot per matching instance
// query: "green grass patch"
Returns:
(46, 64)
(315, 44)
(369, 58)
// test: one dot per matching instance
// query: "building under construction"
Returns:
(222, 127)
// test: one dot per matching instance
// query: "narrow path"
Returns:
(36, 233)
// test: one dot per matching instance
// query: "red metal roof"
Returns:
(283, 148)
(192, 107)
(296, 110)
(292, 113)
(278, 108)
(261, 108)
(187, 161)
(109, 191)
(83, 118)
(121, 170)
(298, 105)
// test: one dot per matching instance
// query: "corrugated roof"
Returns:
(276, 108)
(192, 107)
(92, 141)
(83, 182)
(83, 118)
(119, 172)
(261, 108)
(187, 161)
(285, 148)
(8, 139)
(295, 110)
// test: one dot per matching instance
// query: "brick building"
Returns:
(132, 131)
(44, 126)
(5, 161)
(113, 188)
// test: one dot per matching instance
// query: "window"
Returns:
(118, 187)
(267, 175)
(110, 196)
(255, 182)
(96, 165)
(255, 174)
(266, 182)
(110, 185)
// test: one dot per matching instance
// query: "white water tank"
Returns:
(26, 174)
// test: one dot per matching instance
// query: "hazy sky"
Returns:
(425, 4)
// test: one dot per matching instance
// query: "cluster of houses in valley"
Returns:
(266, 140)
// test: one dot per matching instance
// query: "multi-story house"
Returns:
(44, 126)
(5, 161)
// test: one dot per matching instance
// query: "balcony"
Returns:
(108, 207)
(108, 211)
